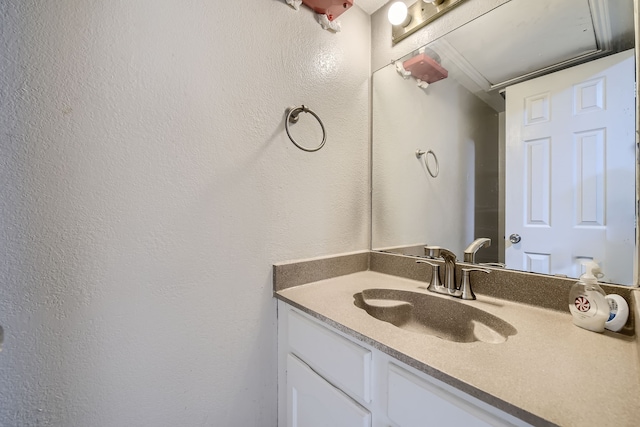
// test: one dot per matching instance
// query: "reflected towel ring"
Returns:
(420, 153)
(293, 114)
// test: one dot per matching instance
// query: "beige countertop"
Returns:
(550, 372)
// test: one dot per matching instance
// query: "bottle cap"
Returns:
(589, 276)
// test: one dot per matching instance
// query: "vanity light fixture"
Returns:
(417, 16)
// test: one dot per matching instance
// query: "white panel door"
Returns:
(313, 402)
(570, 170)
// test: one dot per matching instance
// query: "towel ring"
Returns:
(420, 153)
(293, 114)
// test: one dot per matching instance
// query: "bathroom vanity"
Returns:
(334, 380)
(342, 364)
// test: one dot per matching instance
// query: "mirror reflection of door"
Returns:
(570, 143)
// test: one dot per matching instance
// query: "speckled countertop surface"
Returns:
(550, 372)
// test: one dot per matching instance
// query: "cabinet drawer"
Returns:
(340, 361)
(416, 402)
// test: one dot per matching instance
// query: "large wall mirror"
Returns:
(518, 127)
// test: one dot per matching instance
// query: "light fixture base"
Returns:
(421, 14)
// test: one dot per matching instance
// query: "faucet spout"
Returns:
(449, 265)
(475, 246)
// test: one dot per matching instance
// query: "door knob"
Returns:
(515, 238)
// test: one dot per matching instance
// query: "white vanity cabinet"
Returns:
(326, 378)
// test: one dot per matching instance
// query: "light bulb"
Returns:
(397, 13)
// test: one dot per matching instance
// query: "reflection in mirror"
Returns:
(551, 169)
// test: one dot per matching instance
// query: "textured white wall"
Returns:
(383, 51)
(147, 188)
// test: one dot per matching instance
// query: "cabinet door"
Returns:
(313, 402)
(416, 402)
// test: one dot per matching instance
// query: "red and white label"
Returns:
(582, 304)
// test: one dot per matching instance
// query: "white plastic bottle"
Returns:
(618, 315)
(587, 302)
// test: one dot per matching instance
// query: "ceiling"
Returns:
(370, 6)
(524, 39)
(521, 37)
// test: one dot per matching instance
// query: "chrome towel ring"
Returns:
(420, 153)
(293, 114)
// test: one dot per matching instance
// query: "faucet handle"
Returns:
(484, 270)
(494, 264)
(435, 284)
(465, 285)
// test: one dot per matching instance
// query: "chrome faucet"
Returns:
(449, 265)
(475, 246)
(449, 287)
